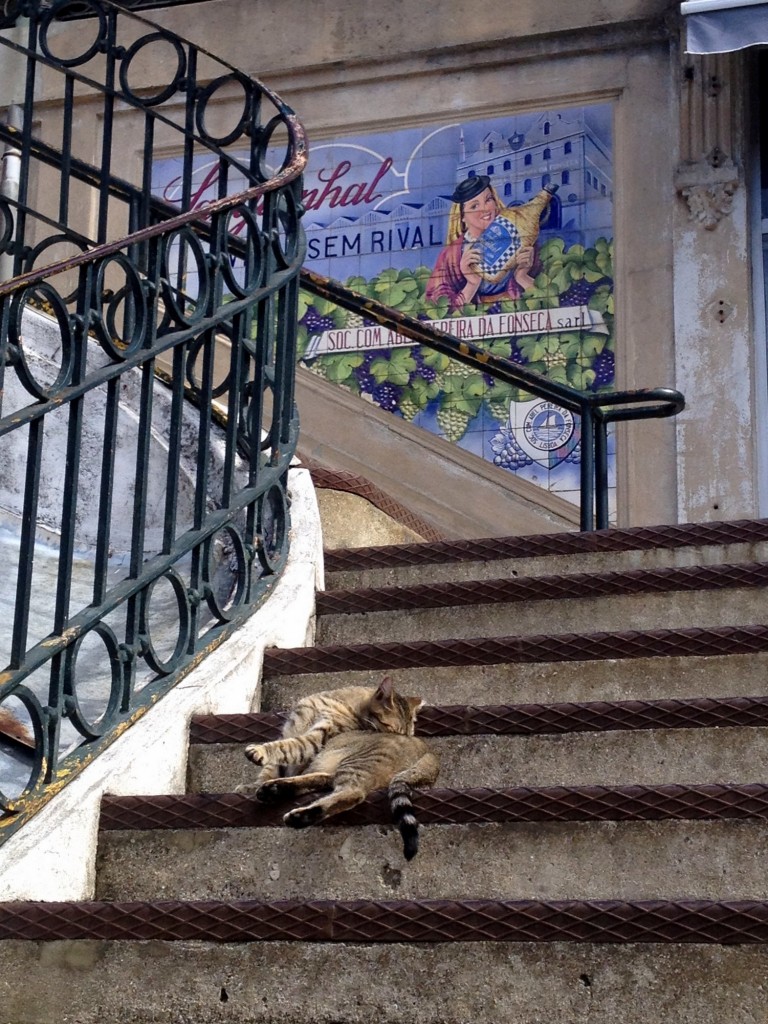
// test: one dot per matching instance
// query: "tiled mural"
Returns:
(496, 230)
(499, 231)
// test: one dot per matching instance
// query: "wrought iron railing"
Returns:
(140, 528)
(596, 409)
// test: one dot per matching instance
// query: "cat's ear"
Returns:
(415, 703)
(384, 691)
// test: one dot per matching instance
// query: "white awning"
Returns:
(719, 26)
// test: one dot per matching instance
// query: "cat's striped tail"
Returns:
(403, 816)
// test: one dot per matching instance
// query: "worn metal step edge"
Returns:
(552, 647)
(520, 719)
(715, 801)
(403, 921)
(576, 586)
(744, 531)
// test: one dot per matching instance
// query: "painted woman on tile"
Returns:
(490, 248)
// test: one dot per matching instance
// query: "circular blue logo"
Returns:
(547, 426)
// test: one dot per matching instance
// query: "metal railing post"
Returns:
(601, 472)
(587, 503)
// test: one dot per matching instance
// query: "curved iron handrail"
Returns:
(162, 293)
(172, 222)
(596, 410)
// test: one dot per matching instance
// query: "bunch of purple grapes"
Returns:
(507, 453)
(365, 379)
(578, 294)
(515, 353)
(604, 366)
(315, 323)
(387, 396)
(427, 373)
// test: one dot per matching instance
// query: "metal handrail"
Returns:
(213, 555)
(596, 410)
(172, 220)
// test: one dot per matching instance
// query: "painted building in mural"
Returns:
(560, 148)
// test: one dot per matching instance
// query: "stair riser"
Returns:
(710, 608)
(483, 982)
(722, 860)
(682, 756)
(547, 565)
(546, 682)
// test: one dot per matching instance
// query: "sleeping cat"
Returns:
(320, 716)
(350, 741)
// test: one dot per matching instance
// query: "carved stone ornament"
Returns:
(708, 204)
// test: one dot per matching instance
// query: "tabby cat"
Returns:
(350, 741)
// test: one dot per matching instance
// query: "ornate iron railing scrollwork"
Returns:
(150, 524)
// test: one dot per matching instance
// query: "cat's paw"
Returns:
(271, 793)
(302, 817)
(248, 789)
(255, 752)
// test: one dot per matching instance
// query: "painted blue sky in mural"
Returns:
(425, 162)
(382, 199)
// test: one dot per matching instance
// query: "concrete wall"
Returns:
(458, 494)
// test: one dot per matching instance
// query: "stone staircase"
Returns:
(595, 851)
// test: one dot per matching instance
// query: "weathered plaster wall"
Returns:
(716, 350)
(715, 363)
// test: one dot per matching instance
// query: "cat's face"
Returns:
(390, 711)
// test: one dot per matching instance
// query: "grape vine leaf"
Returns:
(305, 301)
(302, 340)
(340, 369)
(436, 360)
(581, 377)
(358, 284)
(396, 369)
(604, 256)
(593, 344)
(601, 299)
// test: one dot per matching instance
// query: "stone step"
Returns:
(522, 567)
(524, 962)
(702, 596)
(548, 554)
(658, 756)
(541, 744)
(647, 860)
(664, 842)
(517, 719)
(625, 665)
